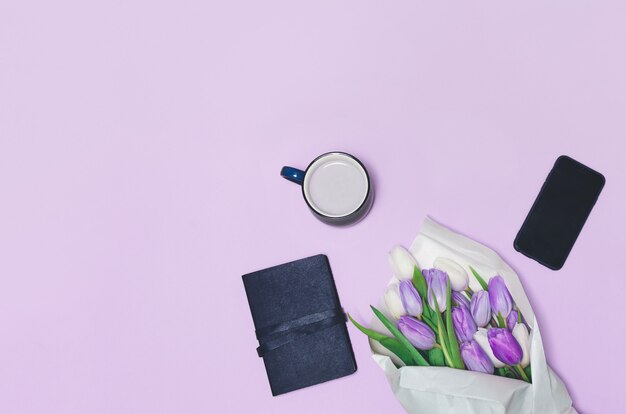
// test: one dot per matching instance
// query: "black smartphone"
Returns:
(559, 212)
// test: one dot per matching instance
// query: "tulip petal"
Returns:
(504, 346)
(475, 358)
(500, 298)
(459, 299)
(411, 300)
(417, 332)
(464, 325)
(481, 337)
(457, 275)
(402, 262)
(521, 334)
(437, 281)
(480, 308)
(393, 301)
(511, 320)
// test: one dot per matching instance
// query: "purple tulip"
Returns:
(511, 320)
(464, 325)
(504, 346)
(475, 358)
(480, 308)
(411, 300)
(417, 332)
(437, 287)
(460, 299)
(499, 297)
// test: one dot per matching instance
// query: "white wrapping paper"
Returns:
(439, 390)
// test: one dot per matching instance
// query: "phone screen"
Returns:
(559, 212)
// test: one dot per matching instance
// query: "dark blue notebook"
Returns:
(300, 325)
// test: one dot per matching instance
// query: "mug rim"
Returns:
(365, 199)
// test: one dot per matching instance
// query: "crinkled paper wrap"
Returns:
(439, 390)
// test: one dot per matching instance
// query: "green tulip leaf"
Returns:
(479, 278)
(501, 321)
(419, 281)
(369, 332)
(391, 344)
(398, 349)
(505, 372)
(436, 358)
(418, 359)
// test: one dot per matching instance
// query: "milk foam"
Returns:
(335, 185)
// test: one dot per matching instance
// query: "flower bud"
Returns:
(520, 333)
(437, 281)
(481, 337)
(504, 346)
(458, 276)
(480, 308)
(402, 262)
(417, 332)
(464, 325)
(411, 299)
(459, 299)
(393, 301)
(499, 297)
(475, 358)
(511, 320)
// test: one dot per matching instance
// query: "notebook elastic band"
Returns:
(275, 336)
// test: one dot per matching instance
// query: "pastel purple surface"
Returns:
(140, 150)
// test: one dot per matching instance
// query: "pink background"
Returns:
(140, 145)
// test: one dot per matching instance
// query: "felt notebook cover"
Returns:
(299, 323)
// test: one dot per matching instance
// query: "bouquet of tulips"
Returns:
(437, 319)
(453, 303)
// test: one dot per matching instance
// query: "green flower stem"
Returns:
(521, 372)
(453, 344)
(442, 336)
(445, 351)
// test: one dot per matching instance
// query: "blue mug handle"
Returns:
(293, 174)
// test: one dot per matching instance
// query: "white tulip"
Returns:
(402, 262)
(458, 276)
(394, 302)
(481, 337)
(520, 332)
